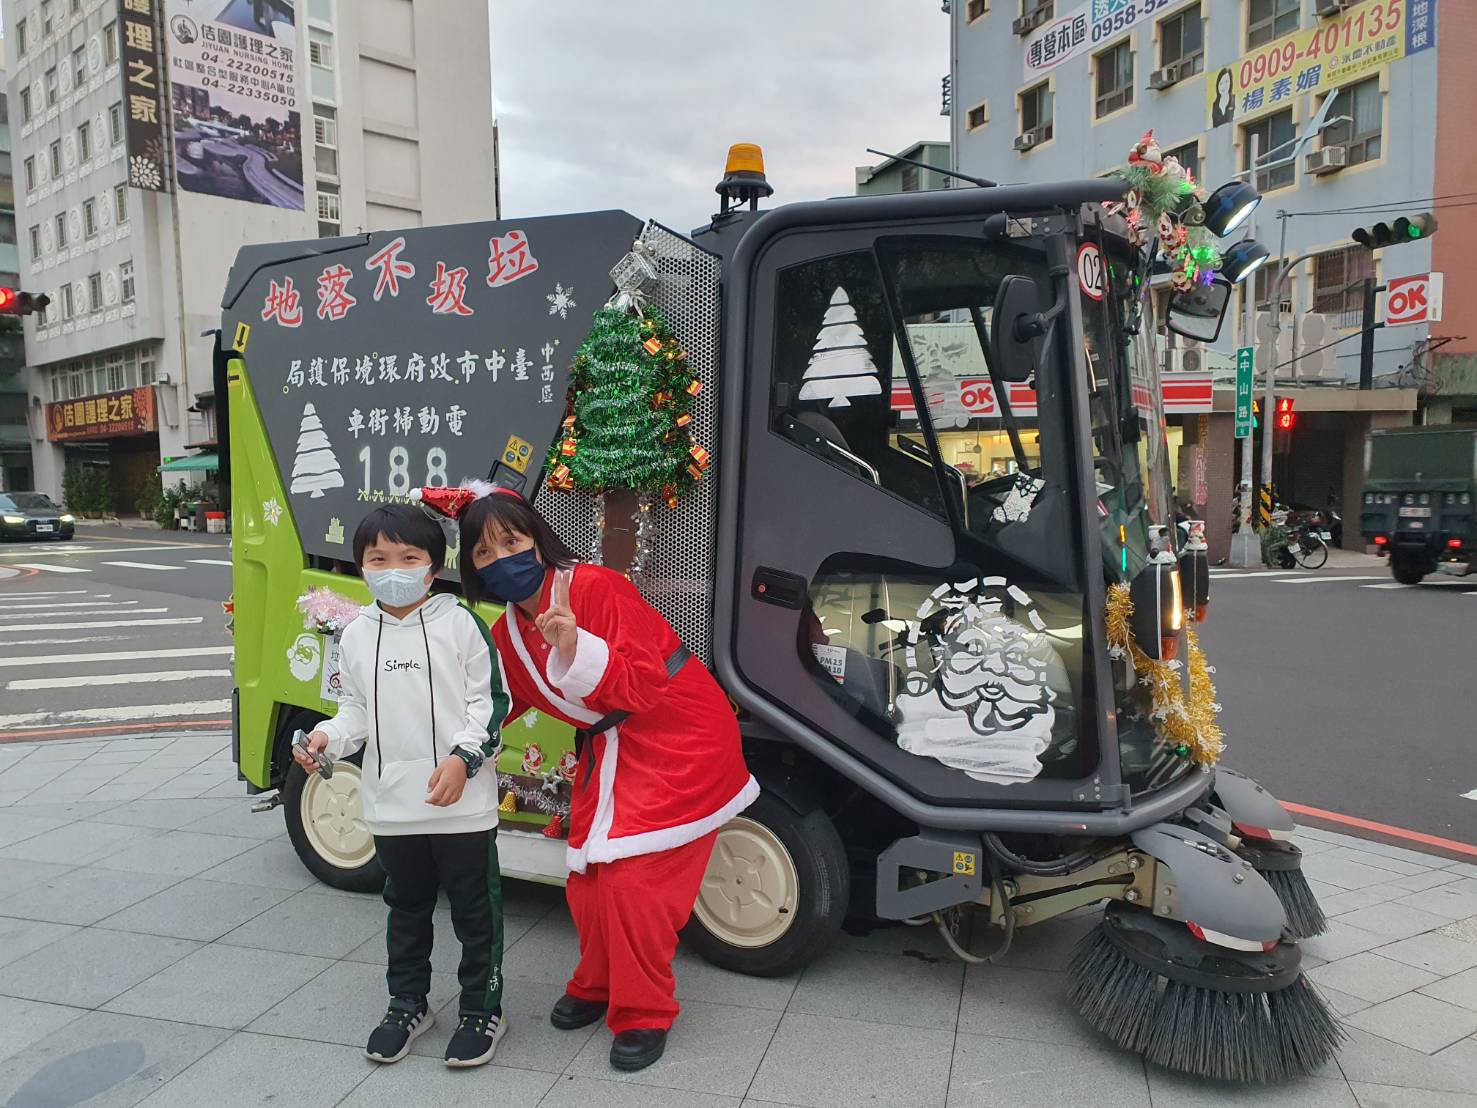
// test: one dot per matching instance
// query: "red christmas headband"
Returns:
(452, 502)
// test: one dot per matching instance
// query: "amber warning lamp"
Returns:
(743, 177)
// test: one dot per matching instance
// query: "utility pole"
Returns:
(1366, 338)
(1245, 548)
(1269, 396)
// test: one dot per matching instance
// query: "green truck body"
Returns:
(1420, 490)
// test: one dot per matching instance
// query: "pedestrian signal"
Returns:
(1285, 415)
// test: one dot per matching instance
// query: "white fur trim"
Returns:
(666, 838)
(478, 486)
(416, 494)
(574, 711)
(581, 675)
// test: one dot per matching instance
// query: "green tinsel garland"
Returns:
(628, 418)
(1164, 199)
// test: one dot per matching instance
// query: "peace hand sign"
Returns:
(557, 623)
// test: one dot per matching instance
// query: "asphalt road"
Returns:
(117, 630)
(1344, 691)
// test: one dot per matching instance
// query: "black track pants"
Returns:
(465, 865)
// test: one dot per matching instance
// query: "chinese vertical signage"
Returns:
(1244, 363)
(1086, 28)
(143, 95)
(1357, 44)
(130, 412)
(233, 78)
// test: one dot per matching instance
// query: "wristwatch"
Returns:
(473, 759)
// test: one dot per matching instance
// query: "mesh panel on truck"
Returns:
(678, 580)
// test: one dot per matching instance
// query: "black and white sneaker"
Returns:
(475, 1039)
(407, 1017)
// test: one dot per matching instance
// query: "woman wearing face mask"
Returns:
(660, 766)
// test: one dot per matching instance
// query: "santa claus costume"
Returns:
(660, 767)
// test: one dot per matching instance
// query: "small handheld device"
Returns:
(323, 762)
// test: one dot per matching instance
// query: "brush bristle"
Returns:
(1304, 916)
(1245, 1037)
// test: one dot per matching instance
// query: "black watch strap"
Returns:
(471, 758)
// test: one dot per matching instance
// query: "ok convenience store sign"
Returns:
(1184, 394)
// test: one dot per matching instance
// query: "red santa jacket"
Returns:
(674, 769)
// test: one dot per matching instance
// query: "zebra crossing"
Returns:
(108, 660)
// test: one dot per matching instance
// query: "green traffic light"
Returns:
(1413, 231)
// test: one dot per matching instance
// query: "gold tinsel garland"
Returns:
(1188, 725)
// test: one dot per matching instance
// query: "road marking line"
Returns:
(108, 623)
(37, 614)
(1261, 573)
(30, 683)
(63, 642)
(109, 655)
(34, 595)
(1470, 796)
(50, 568)
(69, 604)
(118, 714)
(61, 552)
(116, 729)
(1388, 585)
(1383, 828)
(140, 565)
(209, 562)
(1323, 580)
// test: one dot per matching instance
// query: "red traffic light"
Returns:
(1285, 417)
(17, 302)
(7, 300)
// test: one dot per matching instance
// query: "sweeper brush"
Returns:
(1281, 866)
(1154, 988)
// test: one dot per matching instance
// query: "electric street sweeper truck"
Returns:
(966, 677)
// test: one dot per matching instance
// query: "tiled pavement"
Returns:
(160, 944)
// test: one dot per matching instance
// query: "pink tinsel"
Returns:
(327, 611)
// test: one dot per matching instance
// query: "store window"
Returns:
(55, 152)
(79, 68)
(125, 274)
(1113, 78)
(52, 92)
(325, 140)
(329, 217)
(95, 292)
(1361, 130)
(61, 230)
(69, 304)
(110, 44)
(89, 217)
(1274, 134)
(120, 204)
(1338, 285)
(30, 165)
(1036, 112)
(35, 241)
(26, 104)
(1269, 19)
(1182, 41)
(115, 124)
(21, 39)
(84, 142)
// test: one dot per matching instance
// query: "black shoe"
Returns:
(635, 1050)
(570, 1012)
(407, 1017)
(475, 1038)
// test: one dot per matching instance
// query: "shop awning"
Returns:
(191, 463)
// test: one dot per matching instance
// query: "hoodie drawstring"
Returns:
(430, 682)
(379, 753)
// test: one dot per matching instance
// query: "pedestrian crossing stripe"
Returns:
(51, 568)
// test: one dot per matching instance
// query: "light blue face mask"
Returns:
(397, 588)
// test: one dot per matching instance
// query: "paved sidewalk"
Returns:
(160, 944)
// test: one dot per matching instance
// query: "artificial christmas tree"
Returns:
(315, 467)
(841, 366)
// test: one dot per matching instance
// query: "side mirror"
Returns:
(1198, 313)
(1158, 608)
(1016, 324)
(1195, 570)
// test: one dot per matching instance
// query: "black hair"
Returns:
(516, 516)
(401, 523)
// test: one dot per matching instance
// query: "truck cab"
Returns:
(1420, 489)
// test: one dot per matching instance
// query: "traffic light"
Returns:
(16, 302)
(1409, 228)
(1285, 417)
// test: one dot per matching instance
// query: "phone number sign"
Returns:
(1061, 40)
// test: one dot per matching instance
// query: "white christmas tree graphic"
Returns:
(840, 365)
(314, 468)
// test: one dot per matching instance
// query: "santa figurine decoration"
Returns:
(567, 765)
(533, 760)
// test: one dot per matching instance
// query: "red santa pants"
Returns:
(628, 913)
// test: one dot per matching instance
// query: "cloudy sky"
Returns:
(633, 103)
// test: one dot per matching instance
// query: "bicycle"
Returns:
(1308, 546)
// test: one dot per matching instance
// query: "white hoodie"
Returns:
(416, 688)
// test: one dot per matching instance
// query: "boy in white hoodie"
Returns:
(421, 683)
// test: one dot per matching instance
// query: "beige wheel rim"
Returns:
(749, 894)
(334, 820)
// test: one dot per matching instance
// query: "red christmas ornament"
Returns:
(555, 830)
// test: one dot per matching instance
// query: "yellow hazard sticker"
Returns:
(517, 453)
(964, 863)
(243, 336)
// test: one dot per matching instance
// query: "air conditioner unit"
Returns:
(1028, 139)
(1166, 76)
(1025, 24)
(1331, 7)
(1330, 159)
(1185, 359)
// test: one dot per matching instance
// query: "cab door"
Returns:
(902, 555)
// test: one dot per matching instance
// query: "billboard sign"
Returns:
(1087, 28)
(1414, 299)
(233, 79)
(129, 412)
(1335, 52)
(143, 95)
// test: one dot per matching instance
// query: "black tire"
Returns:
(367, 878)
(822, 879)
(1314, 556)
(1408, 570)
(66, 538)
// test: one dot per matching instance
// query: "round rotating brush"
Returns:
(1281, 866)
(1154, 988)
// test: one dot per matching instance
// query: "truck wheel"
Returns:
(775, 892)
(1407, 570)
(327, 828)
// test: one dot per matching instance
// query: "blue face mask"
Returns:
(513, 579)
(399, 588)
